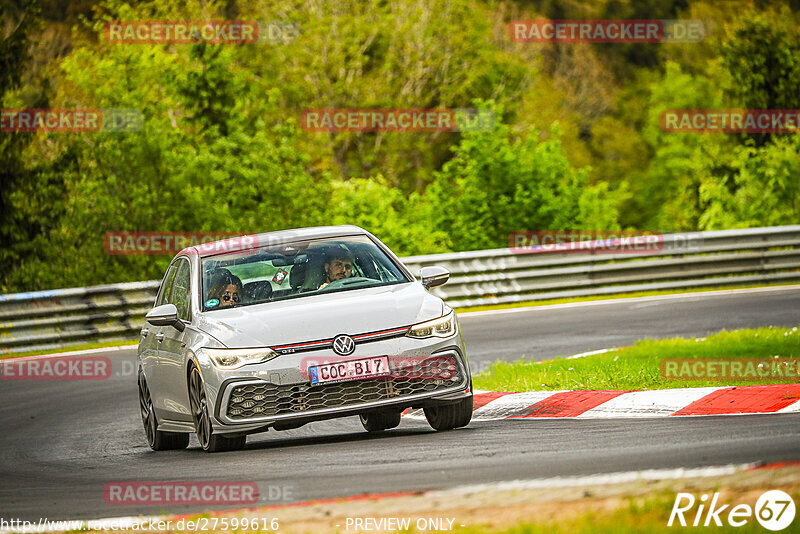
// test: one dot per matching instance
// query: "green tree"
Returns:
(32, 189)
(495, 185)
(762, 57)
(668, 195)
(193, 166)
(403, 224)
(401, 54)
(763, 188)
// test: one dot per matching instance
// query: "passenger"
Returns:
(338, 265)
(225, 290)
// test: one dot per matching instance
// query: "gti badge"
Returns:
(343, 345)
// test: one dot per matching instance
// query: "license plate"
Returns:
(349, 370)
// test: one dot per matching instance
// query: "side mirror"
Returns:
(165, 315)
(434, 276)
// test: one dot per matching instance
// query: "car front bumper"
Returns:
(278, 392)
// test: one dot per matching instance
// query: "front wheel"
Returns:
(450, 415)
(379, 421)
(202, 421)
(158, 440)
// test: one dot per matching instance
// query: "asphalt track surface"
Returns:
(62, 441)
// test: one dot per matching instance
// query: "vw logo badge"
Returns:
(343, 345)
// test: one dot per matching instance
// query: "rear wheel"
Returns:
(158, 440)
(379, 421)
(450, 415)
(202, 421)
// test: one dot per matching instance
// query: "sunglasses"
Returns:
(226, 297)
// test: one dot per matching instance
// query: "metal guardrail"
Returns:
(50, 319)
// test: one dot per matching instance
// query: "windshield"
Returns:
(295, 269)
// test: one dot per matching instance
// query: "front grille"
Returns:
(267, 399)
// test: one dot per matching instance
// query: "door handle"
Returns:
(145, 332)
(160, 337)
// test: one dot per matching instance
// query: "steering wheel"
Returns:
(344, 282)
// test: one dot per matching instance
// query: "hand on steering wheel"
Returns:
(335, 284)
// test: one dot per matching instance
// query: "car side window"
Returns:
(182, 291)
(165, 293)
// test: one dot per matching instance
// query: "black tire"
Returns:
(158, 440)
(379, 421)
(450, 416)
(202, 420)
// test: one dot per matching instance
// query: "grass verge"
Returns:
(649, 514)
(630, 515)
(535, 303)
(639, 367)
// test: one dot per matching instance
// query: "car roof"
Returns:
(245, 242)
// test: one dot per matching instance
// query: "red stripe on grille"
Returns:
(302, 344)
(326, 341)
(747, 399)
(380, 333)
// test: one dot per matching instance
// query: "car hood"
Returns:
(325, 316)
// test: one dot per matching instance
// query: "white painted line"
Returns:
(72, 353)
(582, 481)
(676, 296)
(511, 404)
(655, 403)
(590, 353)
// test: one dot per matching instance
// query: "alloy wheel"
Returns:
(146, 408)
(197, 399)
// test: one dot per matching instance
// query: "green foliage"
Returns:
(32, 188)
(495, 185)
(400, 54)
(639, 367)
(763, 58)
(14, 45)
(577, 144)
(377, 207)
(717, 181)
(669, 192)
(192, 167)
(763, 188)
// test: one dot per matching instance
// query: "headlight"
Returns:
(442, 327)
(235, 358)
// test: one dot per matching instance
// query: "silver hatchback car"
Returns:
(280, 329)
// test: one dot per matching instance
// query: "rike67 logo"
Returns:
(774, 510)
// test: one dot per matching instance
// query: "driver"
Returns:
(338, 265)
